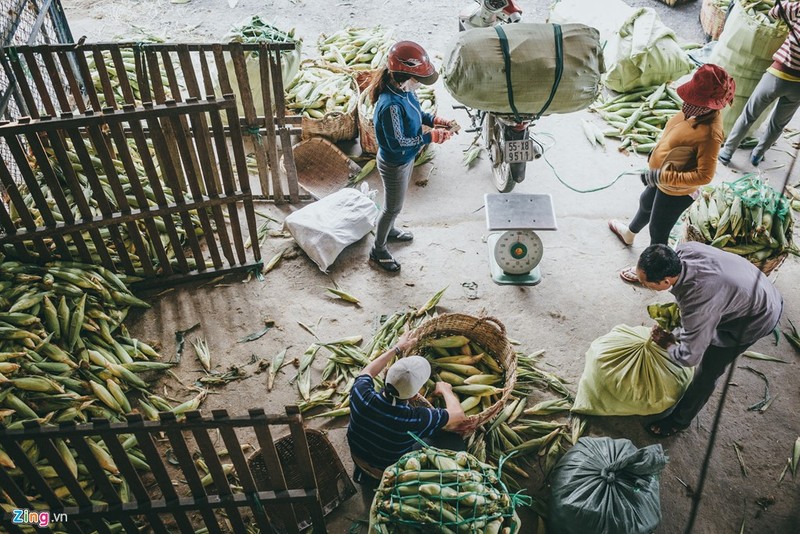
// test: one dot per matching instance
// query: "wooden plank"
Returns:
(246, 99)
(170, 47)
(210, 179)
(239, 461)
(190, 79)
(38, 80)
(100, 197)
(22, 84)
(141, 73)
(124, 155)
(208, 82)
(172, 78)
(280, 119)
(56, 82)
(161, 200)
(221, 484)
(86, 75)
(264, 58)
(109, 98)
(60, 151)
(15, 198)
(65, 475)
(72, 81)
(9, 229)
(304, 463)
(181, 450)
(155, 460)
(32, 475)
(121, 201)
(269, 455)
(122, 75)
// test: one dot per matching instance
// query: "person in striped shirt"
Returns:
(780, 82)
(380, 421)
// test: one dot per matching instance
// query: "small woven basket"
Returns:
(692, 233)
(333, 483)
(322, 168)
(712, 19)
(489, 333)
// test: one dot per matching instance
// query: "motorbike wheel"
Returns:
(494, 134)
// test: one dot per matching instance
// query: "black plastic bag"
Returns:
(606, 486)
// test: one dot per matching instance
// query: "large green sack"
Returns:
(474, 69)
(607, 486)
(644, 53)
(745, 50)
(627, 373)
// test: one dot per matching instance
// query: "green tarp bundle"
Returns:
(474, 70)
(627, 373)
(607, 486)
(745, 50)
(644, 53)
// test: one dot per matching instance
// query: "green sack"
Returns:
(644, 53)
(627, 373)
(474, 69)
(607, 486)
(745, 50)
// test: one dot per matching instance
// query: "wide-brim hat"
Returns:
(408, 375)
(710, 87)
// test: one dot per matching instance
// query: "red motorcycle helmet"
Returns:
(410, 58)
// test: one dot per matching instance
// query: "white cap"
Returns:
(408, 375)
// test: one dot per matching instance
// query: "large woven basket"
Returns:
(335, 125)
(322, 168)
(489, 333)
(334, 485)
(366, 128)
(712, 19)
(692, 233)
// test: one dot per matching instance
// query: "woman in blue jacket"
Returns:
(398, 123)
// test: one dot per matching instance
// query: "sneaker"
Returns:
(622, 231)
(755, 159)
(724, 159)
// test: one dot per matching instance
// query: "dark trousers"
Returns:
(659, 210)
(712, 366)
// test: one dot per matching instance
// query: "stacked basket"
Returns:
(712, 18)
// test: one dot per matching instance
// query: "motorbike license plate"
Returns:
(518, 151)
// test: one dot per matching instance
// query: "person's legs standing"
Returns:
(666, 211)
(395, 182)
(763, 95)
(642, 216)
(788, 102)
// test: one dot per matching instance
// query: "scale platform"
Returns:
(515, 250)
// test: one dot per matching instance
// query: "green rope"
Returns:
(594, 189)
(255, 132)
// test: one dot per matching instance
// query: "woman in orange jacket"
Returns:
(684, 159)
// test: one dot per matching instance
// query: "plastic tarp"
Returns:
(627, 373)
(745, 50)
(607, 486)
(324, 228)
(643, 53)
(474, 69)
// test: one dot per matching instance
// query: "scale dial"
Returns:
(518, 251)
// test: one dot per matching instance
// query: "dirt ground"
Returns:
(579, 299)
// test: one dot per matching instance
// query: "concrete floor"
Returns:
(579, 299)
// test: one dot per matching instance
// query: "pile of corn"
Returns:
(319, 89)
(356, 48)
(443, 491)
(668, 316)
(637, 118)
(746, 217)
(65, 355)
(108, 192)
(794, 194)
(757, 9)
(257, 30)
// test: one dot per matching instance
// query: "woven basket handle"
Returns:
(494, 321)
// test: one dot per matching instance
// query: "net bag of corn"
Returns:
(435, 490)
(551, 68)
(606, 485)
(644, 52)
(627, 373)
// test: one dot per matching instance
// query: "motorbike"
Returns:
(505, 137)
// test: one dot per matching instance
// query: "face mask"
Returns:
(411, 85)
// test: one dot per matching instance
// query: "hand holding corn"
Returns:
(661, 337)
(448, 124)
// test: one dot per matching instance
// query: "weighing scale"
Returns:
(515, 250)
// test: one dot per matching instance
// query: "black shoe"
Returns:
(400, 235)
(385, 260)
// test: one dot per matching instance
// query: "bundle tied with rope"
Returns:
(435, 490)
(745, 217)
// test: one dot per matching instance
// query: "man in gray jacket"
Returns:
(726, 305)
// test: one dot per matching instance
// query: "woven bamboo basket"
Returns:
(712, 19)
(692, 233)
(366, 128)
(322, 168)
(672, 3)
(335, 125)
(489, 333)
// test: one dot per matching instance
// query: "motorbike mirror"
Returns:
(495, 5)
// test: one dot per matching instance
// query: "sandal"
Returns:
(664, 428)
(385, 260)
(614, 225)
(400, 235)
(629, 275)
